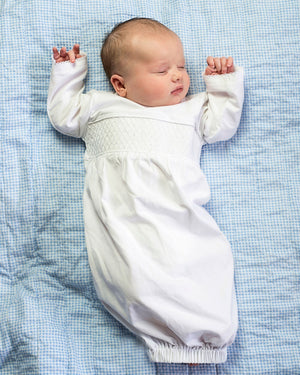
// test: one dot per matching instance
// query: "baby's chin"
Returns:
(170, 101)
(175, 100)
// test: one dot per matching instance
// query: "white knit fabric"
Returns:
(160, 264)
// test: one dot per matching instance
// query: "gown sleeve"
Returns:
(222, 107)
(68, 108)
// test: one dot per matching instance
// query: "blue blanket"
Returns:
(51, 321)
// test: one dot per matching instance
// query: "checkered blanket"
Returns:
(51, 321)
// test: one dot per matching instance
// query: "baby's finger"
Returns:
(223, 65)
(55, 53)
(218, 64)
(63, 53)
(209, 71)
(71, 55)
(76, 49)
(230, 65)
(229, 62)
(210, 61)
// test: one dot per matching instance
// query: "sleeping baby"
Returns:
(161, 265)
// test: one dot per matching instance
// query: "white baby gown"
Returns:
(160, 264)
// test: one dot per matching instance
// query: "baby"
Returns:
(161, 265)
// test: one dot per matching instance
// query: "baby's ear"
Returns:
(117, 82)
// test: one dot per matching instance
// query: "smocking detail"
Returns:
(129, 134)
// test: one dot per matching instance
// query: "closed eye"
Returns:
(161, 72)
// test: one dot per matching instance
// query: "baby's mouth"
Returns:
(178, 90)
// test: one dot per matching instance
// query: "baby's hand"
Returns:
(63, 55)
(218, 65)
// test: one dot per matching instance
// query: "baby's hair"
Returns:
(114, 48)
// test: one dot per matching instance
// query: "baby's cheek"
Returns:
(187, 80)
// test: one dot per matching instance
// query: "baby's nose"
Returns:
(176, 75)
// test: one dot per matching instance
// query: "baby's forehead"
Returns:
(137, 40)
(164, 46)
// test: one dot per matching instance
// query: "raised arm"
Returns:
(68, 108)
(224, 100)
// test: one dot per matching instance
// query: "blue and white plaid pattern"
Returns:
(50, 319)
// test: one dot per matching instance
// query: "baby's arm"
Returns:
(219, 65)
(222, 109)
(68, 108)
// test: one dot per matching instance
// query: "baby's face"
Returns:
(156, 76)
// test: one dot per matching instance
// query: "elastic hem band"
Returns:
(174, 354)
